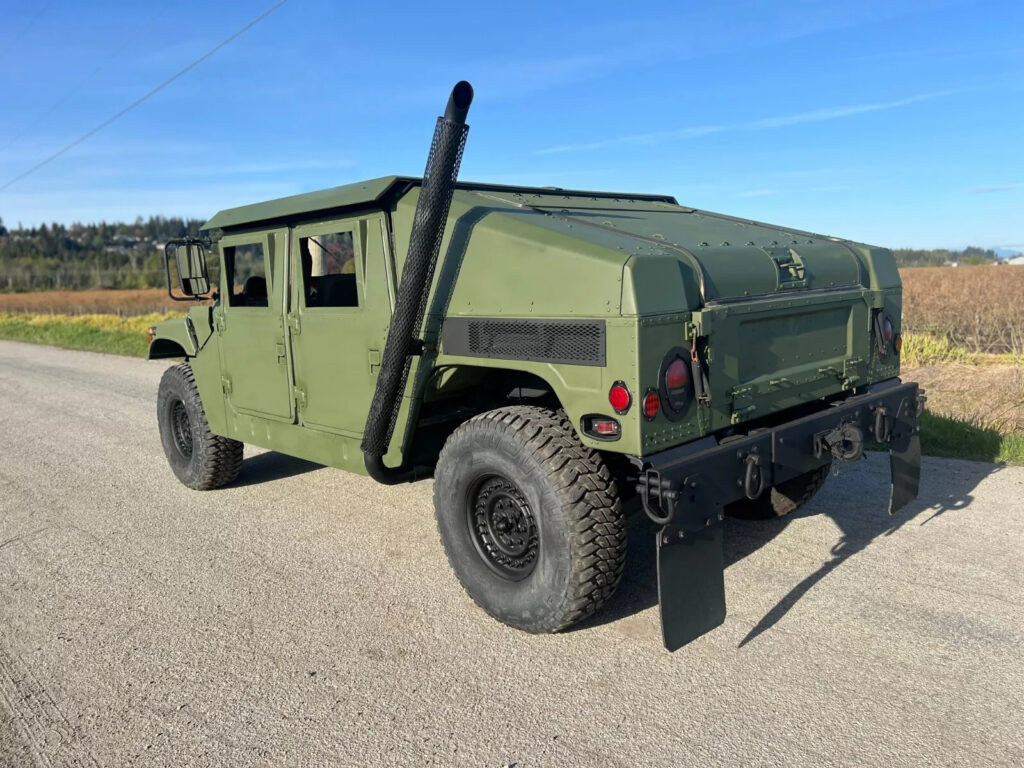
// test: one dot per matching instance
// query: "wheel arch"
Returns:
(166, 349)
(455, 392)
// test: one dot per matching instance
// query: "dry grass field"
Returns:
(123, 303)
(978, 309)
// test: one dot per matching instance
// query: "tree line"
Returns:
(80, 256)
(122, 255)
(938, 257)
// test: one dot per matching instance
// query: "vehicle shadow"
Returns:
(270, 466)
(856, 501)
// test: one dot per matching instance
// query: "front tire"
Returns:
(199, 459)
(530, 518)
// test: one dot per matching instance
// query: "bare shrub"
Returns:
(978, 308)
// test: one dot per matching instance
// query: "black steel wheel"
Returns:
(502, 527)
(530, 518)
(181, 427)
(198, 458)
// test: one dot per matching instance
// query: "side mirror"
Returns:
(190, 263)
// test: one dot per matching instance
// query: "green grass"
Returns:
(925, 349)
(943, 436)
(94, 333)
(928, 349)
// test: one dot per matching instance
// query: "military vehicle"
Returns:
(545, 354)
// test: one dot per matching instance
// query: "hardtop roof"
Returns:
(373, 191)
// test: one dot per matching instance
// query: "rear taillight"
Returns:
(619, 397)
(677, 375)
(676, 384)
(884, 333)
(599, 427)
(652, 403)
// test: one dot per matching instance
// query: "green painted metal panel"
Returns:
(336, 350)
(255, 372)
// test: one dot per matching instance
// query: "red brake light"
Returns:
(652, 403)
(619, 397)
(887, 329)
(677, 375)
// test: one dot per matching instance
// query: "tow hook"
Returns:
(753, 478)
(845, 443)
(881, 430)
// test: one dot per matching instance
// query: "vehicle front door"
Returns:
(250, 322)
(340, 313)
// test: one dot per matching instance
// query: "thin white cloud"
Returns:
(835, 113)
(818, 115)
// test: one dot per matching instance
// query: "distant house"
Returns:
(1016, 261)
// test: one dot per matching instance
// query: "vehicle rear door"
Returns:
(341, 307)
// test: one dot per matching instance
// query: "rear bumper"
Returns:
(779, 453)
(685, 489)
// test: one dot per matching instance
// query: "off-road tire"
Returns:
(574, 502)
(782, 499)
(200, 459)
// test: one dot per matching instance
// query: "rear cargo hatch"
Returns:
(734, 258)
(774, 353)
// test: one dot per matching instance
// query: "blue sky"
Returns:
(898, 123)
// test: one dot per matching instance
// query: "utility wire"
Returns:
(21, 35)
(142, 98)
(78, 86)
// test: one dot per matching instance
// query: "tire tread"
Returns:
(589, 494)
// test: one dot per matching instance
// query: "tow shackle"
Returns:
(753, 477)
(882, 430)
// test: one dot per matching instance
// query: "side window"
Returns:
(247, 275)
(329, 270)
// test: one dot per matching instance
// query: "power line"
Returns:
(24, 30)
(142, 98)
(78, 86)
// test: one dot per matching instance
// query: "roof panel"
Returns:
(365, 193)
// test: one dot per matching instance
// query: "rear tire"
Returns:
(782, 499)
(530, 518)
(199, 459)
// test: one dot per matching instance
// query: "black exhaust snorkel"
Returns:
(428, 225)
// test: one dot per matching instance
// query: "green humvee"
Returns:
(570, 351)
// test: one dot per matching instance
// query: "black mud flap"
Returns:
(904, 457)
(691, 566)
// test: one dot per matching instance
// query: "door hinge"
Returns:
(300, 397)
(374, 361)
(225, 384)
(218, 322)
(294, 324)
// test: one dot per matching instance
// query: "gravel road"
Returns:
(305, 616)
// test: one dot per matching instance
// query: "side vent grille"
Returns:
(571, 342)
